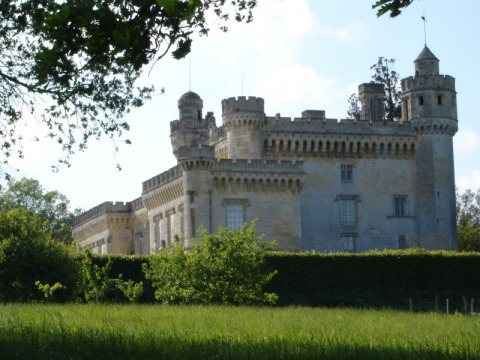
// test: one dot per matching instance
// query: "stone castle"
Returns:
(313, 183)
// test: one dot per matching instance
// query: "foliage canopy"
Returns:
(52, 207)
(73, 64)
(393, 6)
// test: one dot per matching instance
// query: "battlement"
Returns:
(313, 114)
(420, 82)
(108, 206)
(371, 88)
(196, 152)
(242, 103)
(307, 125)
(160, 179)
(189, 125)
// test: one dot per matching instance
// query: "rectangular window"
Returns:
(400, 205)
(192, 222)
(402, 243)
(157, 223)
(191, 197)
(420, 100)
(347, 243)
(347, 212)
(439, 99)
(346, 173)
(235, 218)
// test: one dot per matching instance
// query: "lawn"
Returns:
(215, 332)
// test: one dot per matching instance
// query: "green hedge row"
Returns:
(369, 278)
(375, 278)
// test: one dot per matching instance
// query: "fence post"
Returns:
(448, 307)
(472, 306)
(436, 303)
(411, 303)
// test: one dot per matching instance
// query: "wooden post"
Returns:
(411, 303)
(436, 303)
(472, 306)
(465, 306)
(448, 308)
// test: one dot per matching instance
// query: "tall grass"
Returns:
(211, 332)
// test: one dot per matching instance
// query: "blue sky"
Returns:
(297, 55)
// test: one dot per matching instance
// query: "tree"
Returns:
(468, 221)
(28, 255)
(223, 268)
(354, 108)
(394, 6)
(52, 207)
(74, 64)
(384, 74)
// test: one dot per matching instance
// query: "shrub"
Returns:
(223, 268)
(28, 255)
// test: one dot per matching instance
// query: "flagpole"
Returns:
(424, 29)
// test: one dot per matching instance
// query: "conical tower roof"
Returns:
(426, 63)
(426, 54)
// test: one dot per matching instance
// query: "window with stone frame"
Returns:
(235, 218)
(400, 205)
(347, 243)
(235, 209)
(346, 173)
(347, 212)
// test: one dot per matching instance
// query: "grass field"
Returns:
(212, 332)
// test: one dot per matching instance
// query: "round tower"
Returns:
(243, 119)
(429, 103)
(197, 162)
(191, 128)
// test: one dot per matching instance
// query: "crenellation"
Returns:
(243, 104)
(196, 152)
(162, 178)
(427, 82)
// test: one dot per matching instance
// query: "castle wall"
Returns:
(374, 184)
(276, 205)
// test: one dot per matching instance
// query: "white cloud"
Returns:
(292, 85)
(349, 33)
(276, 32)
(469, 181)
(466, 140)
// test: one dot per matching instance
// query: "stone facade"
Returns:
(313, 183)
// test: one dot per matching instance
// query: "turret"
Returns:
(191, 128)
(429, 94)
(197, 162)
(429, 103)
(371, 98)
(243, 119)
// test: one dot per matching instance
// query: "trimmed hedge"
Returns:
(373, 278)
(365, 279)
